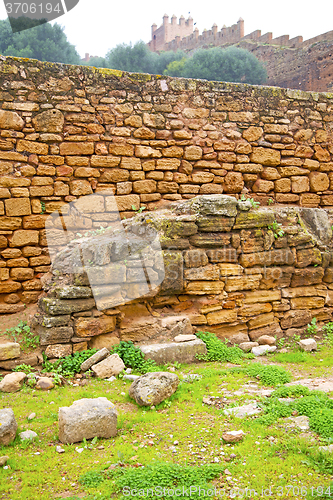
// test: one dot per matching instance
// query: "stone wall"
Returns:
(69, 131)
(228, 268)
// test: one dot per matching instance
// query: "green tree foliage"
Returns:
(228, 65)
(45, 42)
(97, 62)
(139, 59)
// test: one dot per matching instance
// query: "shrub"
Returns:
(217, 350)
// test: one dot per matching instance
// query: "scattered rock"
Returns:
(3, 460)
(45, 383)
(130, 377)
(320, 384)
(27, 435)
(328, 448)
(8, 426)
(182, 352)
(12, 382)
(266, 340)
(111, 379)
(112, 365)
(87, 418)
(283, 350)
(233, 436)
(153, 388)
(247, 346)
(184, 338)
(243, 411)
(308, 345)
(59, 449)
(263, 349)
(31, 416)
(302, 422)
(95, 358)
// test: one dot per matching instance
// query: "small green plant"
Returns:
(270, 201)
(23, 334)
(217, 350)
(139, 210)
(255, 204)
(312, 328)
(328, 333)
(280, 342)
(43, 208)
(23, 368)
(91, 479)
(69, 365)
(276, 228)
(269, 375)
(133, 357)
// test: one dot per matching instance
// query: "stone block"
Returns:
(89, 327)
(296, 318)
(8, 426)
(58, 350)
(241, 283)
(10, 350)
(182, 352)
(108, 367)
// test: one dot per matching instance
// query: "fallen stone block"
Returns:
(86, 419)
(263, 349)
(247, 346)
(12, 382)
(95, 358)
(8, 426)
(112, 365)
(182, 352)
(233, 436)
(153, 388)
(243, 411)
(28, 435)
(308, 345)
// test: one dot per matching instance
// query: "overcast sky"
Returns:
(95, 26)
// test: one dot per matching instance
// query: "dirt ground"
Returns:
(12, 320)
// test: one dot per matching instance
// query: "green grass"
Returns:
(146, 438)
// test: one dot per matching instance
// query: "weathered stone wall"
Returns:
(228, 269)
(69, 131)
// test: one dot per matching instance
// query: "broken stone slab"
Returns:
(308, 345)
(184, 338)
(319, 384)
(12, 382)
(183, 327)
(95, 358)
(52, 321)
(213, 204)
(25, 359)
(247, 346)
(86, 419)
(261, 350)
(73, 292)
(10, 350)
(302, 422)
(28, 435)
(54, 334)
(153, 388)
(182, 352)
(112, 365)
(243, 411)
(233, 436)
(8, 426)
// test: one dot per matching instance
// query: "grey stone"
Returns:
(263, 349)
(243, 411)
(318, 221)
(87, 418)
(59, 449)
(51, 321)
(8, 426)
(182, 352)
(320, 384)
(10, 350)
(55, 307)
(130, 377)
(153, 388)
(95, 358)
(12, 382)
(28, 435)
(302, 422)
(214, 204)
(257, 218)
(308, 345)
(183, 327)
(173, 273)
(73, 292)
(112, 365)
(54, 334)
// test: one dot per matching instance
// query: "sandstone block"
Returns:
(266, 156)
(8, 426)
(223, 316)
(58, 350)
(153, 388)
(12, 383)
(49, 121)
(10, 350)
(89, 327)
(296, 318)
(108, 367)
(240, 283)
(319, 181)
(9, 120)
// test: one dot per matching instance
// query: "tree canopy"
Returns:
(45, 42)
(229, 65)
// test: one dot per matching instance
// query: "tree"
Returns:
(97, 62)
(139, 59)
(228, 65)
(45, 42)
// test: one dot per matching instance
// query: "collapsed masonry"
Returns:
(211, 263)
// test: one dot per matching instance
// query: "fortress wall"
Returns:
(70, 131)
